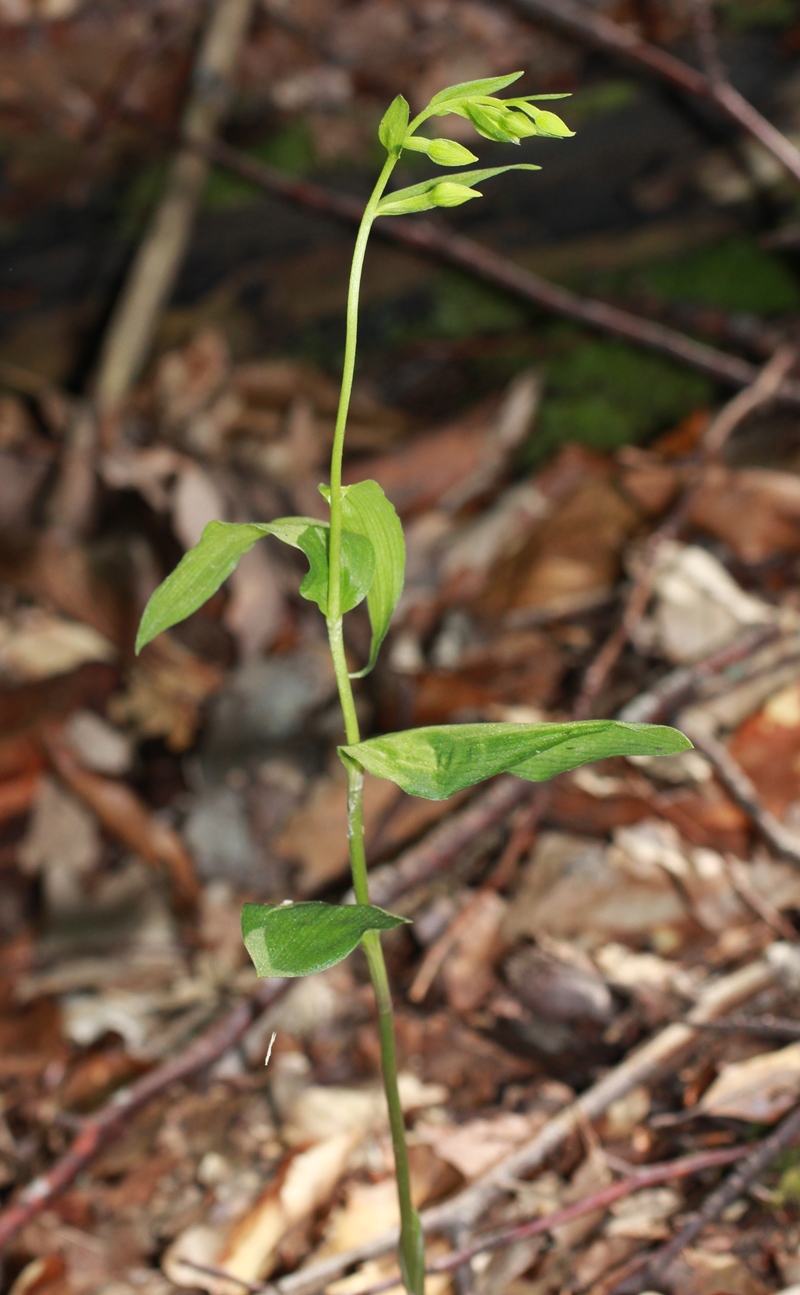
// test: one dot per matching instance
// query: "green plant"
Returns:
(360, 554)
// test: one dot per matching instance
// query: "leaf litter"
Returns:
(144, 801)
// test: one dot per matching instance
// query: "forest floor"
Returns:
(596, 1000)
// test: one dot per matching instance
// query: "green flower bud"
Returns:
(450, 194)
(446, 152)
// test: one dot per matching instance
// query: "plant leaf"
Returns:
(411, 1254)
(393, 203)
(437, 762)
(444, 152)
(392, 130)
(299, 939)
(489, 85)
(208, 564)
(357, 573)
(367, 511)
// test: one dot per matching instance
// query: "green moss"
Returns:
(735, 274)
(140, 197)
(601, 100)
(605, 394)
(224, 191)
(745, 14)
(464, 308)
(291, 150)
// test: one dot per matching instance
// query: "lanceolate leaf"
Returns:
(395, 204)
(437, 762)
(299, 939)
(467, 89)
(392, 130)
(205, 567)
(367, 511)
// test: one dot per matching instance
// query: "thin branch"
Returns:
(114, 1117)
(735, 1185)
(500, 1238)
(623, 42)
(161, 252)
(736, 782)
(429, 239)
(707, 44)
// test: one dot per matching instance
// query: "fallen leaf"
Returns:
(126, 817)
(759, 1090)
(698, 606)
(35, 644)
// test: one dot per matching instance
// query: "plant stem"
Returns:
(355, 774)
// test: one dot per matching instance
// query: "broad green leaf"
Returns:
(393, 203)
(358, 567)
(367, 511)
(444, 152)
(489, 85)
(437, 762)
(299, 939)
(392, 130)
(205, 567)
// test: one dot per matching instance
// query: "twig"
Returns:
(676, 688)
(736, 782)
(639, 1067)
(707, 44)
(648, 1176)
(155, 267)
(773, 1027)
(113, 1118)
(735, 1185)
(438, 849)
(712, 444)
(427, 238)
(596, 30)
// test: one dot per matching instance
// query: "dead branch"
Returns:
(647, 1176)
(113, 1118)
(676, 688)
(623, 42)
(438, 849)
(735, 1185)
(429, 239)
(467, 1206)
(156, 264)
(736, 782)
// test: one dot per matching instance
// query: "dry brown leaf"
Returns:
(576, 553)
(699, 607)
(755, 511)
(767, 746)
(707, 1272)
(759, 1090)
(450, 467)
(126, 817)
(316, 835)
(472, 1148)
(575, 886)
(248, 1250)
(165, 691)
(35, 644)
